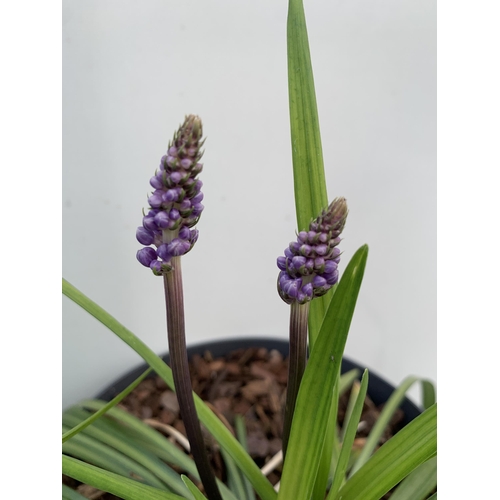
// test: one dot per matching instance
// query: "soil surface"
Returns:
(248, 382)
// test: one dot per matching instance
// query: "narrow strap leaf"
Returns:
(105, 408)
(350, 426)
(71, 494)
(307, 153)
(429, 394)
(144, 436)
(197, 494)
(419, 484)
(404, 452)
(105, 432)
(234, 480)
(125, 488)
(241, 433)
(385, 417)
(330, 441)
(101, 455)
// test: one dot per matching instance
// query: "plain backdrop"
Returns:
(132, 71)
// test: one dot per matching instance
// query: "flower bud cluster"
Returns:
(175, 204)
(309, 267)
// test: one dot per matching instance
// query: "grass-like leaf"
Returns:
(391, 405)
(197, 494)
(404, 452)
(140, 433)
(330, 446)
(223, 436)
(316, 390)
(71, 494)
(241, 434)
(234, 479)
(122, 487)
(107, 433)
(307, 153)
(428, 393)
(143, 436)
(418, 484)
(106, 407)
(102, 455)
(347, 379)
(349, 433)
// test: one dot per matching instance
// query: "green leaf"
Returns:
(197, 494)
(142, 435)
(349, 434)
(71, 494)
(404, 452)
(112, 435)
(429, 394)
(125, 488)
(307, 153)
(330, 443)
(391, 405)
(331, 448)
(419, 484)
(104, 456)
(316, 390)
(223, 436)
(234, 480)
(105, 408)
(241, 434)
(347, 379)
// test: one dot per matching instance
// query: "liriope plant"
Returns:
(113, 451)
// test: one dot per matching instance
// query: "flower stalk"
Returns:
(174, 301)
(296, 363)
(174, 208)
(308, 270)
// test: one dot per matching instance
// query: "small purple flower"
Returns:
(146, 255)
(309, 267)
(175, 203)
(144, 236)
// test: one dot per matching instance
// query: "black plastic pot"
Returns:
(378, 389)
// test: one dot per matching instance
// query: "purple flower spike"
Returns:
(175, 204)
(309, 267)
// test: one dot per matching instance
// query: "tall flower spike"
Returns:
(309, 267)
(175, 204)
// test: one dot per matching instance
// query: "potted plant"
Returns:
(315, 463)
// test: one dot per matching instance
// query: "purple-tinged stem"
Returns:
(296, 363)
(180, 369)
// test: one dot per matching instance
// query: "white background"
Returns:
(132, 70)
